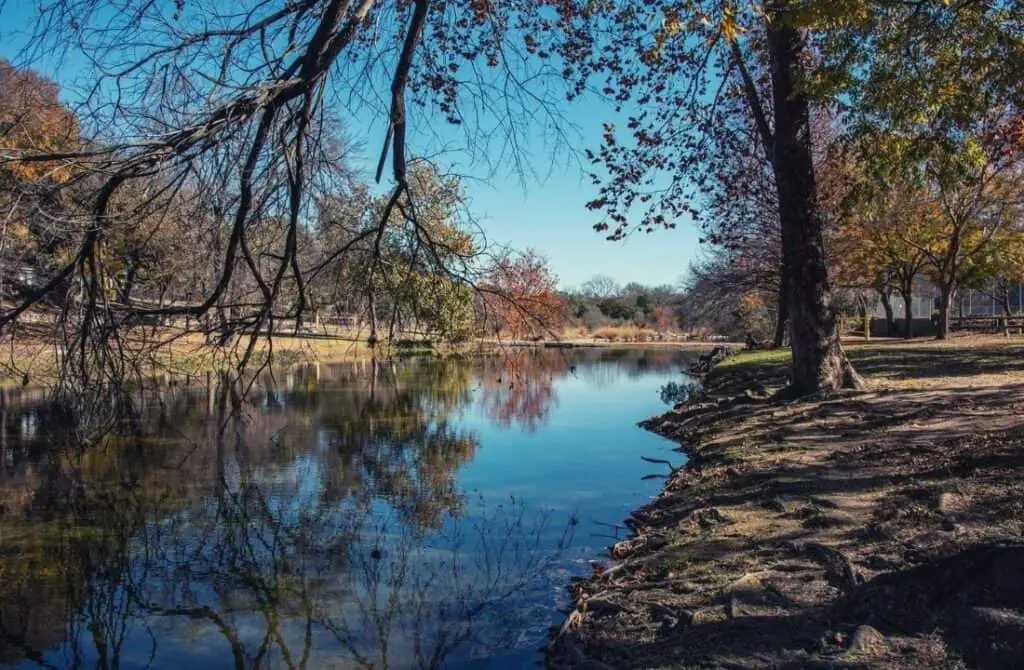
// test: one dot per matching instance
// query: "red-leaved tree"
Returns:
(519, 296)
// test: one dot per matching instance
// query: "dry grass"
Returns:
(37, 356)
(626, 334)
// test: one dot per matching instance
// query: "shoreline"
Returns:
(585, 343)
(877, 529)
(189, 356)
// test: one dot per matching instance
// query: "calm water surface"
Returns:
(422, 513)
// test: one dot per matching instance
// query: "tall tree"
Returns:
(881, 240)
(860, 56)
(939, 97)
(819, 362)
(976, 197)
(519, 296)
(234, 104)
(677, 77)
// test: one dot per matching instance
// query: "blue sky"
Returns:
(547, 213)
(551, 217)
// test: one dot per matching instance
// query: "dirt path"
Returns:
(882, 529)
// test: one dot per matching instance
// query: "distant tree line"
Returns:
(602, 301)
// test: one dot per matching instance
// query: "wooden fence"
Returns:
(988, 324)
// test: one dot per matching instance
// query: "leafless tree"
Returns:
(230, 116)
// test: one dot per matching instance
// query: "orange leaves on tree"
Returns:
(33, 121)
(519, 297)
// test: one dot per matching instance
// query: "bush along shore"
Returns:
(877, 529)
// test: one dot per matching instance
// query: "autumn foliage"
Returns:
(519, 297)
(32, 119)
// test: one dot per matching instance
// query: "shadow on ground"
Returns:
(876, 530)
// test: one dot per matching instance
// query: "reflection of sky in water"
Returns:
(586, 459)
(566, 446)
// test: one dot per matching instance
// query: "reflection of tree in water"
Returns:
(517, 388)
(393, 428)
(673, 393)
(263, 541)
(323, 522)
(268, 573)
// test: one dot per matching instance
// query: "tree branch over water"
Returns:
(222, 129)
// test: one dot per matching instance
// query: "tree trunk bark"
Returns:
(819, 362)
(1004, 296)
(890, 321)
(943, 325)
(862, 312)
(908, 314)
(782, 322)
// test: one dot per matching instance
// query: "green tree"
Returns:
(429, 257)
(975, 197)
(881, 239)
(676, 74)
(935, 89)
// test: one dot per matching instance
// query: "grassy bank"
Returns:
(38, 356)
(882, 529)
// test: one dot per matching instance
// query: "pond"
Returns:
(414, 513)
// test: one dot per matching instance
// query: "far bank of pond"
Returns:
(33, 359)
(416, 513)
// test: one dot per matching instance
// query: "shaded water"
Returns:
(425, 513)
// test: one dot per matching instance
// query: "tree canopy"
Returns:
(232, 115)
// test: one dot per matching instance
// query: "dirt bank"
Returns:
(882, 529)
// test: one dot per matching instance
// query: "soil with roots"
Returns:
(875, 529)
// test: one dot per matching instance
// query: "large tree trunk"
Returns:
(890, 321)
(943, 326)
(908, 314)
(865, 319)
(1004, 297)
(819, 362)
(782, 323)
